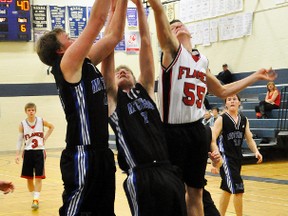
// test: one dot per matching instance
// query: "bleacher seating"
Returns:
(265, 131)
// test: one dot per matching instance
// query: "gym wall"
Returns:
(21, 69)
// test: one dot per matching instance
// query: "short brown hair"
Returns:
(30, 105)
(174, 21)
(47, 45)
(236, 96)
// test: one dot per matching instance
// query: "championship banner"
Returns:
(58, 15)
(39, 16)
(132, 17)
(77, 20)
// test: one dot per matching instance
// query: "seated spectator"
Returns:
(207, 119)
(272, 101)
(225, 76)
(215, 113)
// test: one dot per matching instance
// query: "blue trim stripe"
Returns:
(224, 165)
(122, 142)
(131, 179)
(79, 90)
(81, 161)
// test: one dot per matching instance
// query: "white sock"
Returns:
(36, 195)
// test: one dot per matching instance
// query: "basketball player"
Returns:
(31, 131)
(183, 83)
(231, 128)
(87, 164)
(152, 186)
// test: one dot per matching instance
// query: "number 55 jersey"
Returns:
(182, 88)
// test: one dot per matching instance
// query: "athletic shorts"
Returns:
(209, 205)
(188, 149)
(33, 164)
(88, 175)
(230, 175)
(155, 190)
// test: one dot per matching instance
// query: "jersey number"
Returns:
(35, 143)
(191, 91)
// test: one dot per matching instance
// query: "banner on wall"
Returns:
(170, 11)
(77, 20)
(132, 17)
(58, 15)
(121, 45)
(132, 39)
(39, 16)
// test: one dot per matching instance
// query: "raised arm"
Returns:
(74, 55)
(223, 91)
(168, 42)
(113, 36)
(251, 143)
(108, 68)
(147, 69)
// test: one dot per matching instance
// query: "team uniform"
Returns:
(181, 92)
(208, 203)
(230, 142)
(87, 164)
(34, 151)
(153, 186)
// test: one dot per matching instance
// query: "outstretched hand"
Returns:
(266, 74)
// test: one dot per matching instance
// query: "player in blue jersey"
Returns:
(231, 128)
(87, 164)
(153, 186)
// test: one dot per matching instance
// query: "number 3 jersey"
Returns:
(182, 88)
(33, 134)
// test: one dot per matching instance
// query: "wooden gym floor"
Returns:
(266, 189)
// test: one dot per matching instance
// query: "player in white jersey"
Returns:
(31, 132)
(184, 106)
(184, 132)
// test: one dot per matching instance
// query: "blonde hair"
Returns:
(125, 67)
(271, 83)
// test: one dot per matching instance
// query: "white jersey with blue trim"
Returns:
(182, 88)
(33, 134)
